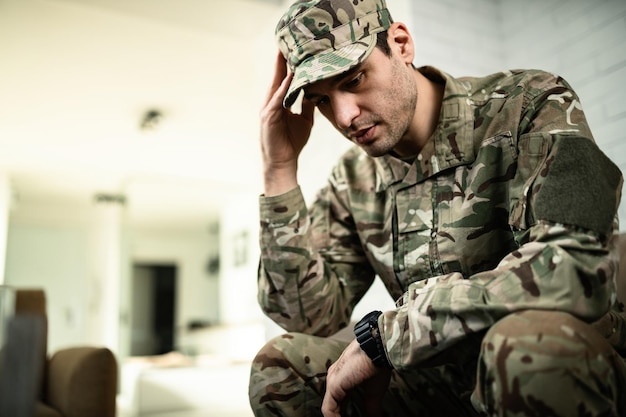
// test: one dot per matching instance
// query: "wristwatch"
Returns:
(368, 336)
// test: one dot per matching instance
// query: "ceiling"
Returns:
(78, 76)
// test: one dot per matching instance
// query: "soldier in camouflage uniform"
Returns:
(484, 206)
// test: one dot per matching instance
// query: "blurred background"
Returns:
(130, 168)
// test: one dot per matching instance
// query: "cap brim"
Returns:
(329, 64)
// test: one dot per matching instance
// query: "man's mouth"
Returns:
(363, 136)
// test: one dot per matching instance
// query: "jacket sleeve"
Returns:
(312, 270)
(563, 204)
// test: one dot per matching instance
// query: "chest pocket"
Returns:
(415, 223)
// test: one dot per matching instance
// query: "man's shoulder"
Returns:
(515, 79)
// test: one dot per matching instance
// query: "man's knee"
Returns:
(537, 362)
(288, 374)
(301, 353)
(273, 373)
(271, 356)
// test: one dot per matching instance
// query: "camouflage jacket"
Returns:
(509, 206)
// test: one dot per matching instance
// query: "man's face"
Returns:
(373, 105)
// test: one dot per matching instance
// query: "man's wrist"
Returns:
(368, 336)
(279, 181)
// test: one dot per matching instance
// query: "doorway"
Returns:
(153, 309)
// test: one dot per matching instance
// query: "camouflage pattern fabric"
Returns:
(537, 363)
(324, 38)
(530, 363)
(480, 225)
(289, 374)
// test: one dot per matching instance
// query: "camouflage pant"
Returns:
(528, 364)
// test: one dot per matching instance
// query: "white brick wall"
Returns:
(456, 36)
(581, 40)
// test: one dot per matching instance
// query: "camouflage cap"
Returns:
(323, 38)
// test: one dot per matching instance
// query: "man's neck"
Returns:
(428, 108)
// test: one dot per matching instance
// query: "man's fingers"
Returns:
(334, 395)
(330, 407)
(280, 70)
(278, 82)
(279, 95)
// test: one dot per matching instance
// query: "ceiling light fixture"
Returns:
(151, 120)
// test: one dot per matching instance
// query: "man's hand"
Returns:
(283, 133)
(354, 368)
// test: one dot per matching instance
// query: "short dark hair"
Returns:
(381, 42)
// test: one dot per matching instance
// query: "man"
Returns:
(483, 205)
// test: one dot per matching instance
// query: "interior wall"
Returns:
(460, 37)
(239, 261)
(49, 249)
(5, 203)
(197, 286)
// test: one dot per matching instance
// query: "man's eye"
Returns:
(321, 101)
(355, 81)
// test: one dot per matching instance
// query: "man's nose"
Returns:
(345, 110)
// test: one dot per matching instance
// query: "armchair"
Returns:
(73, 382)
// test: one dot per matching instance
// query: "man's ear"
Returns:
(401, 42)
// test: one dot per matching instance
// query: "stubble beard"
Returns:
(395, 123)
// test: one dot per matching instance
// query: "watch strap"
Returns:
(368, 336)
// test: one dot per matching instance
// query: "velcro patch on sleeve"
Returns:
(581, 186)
